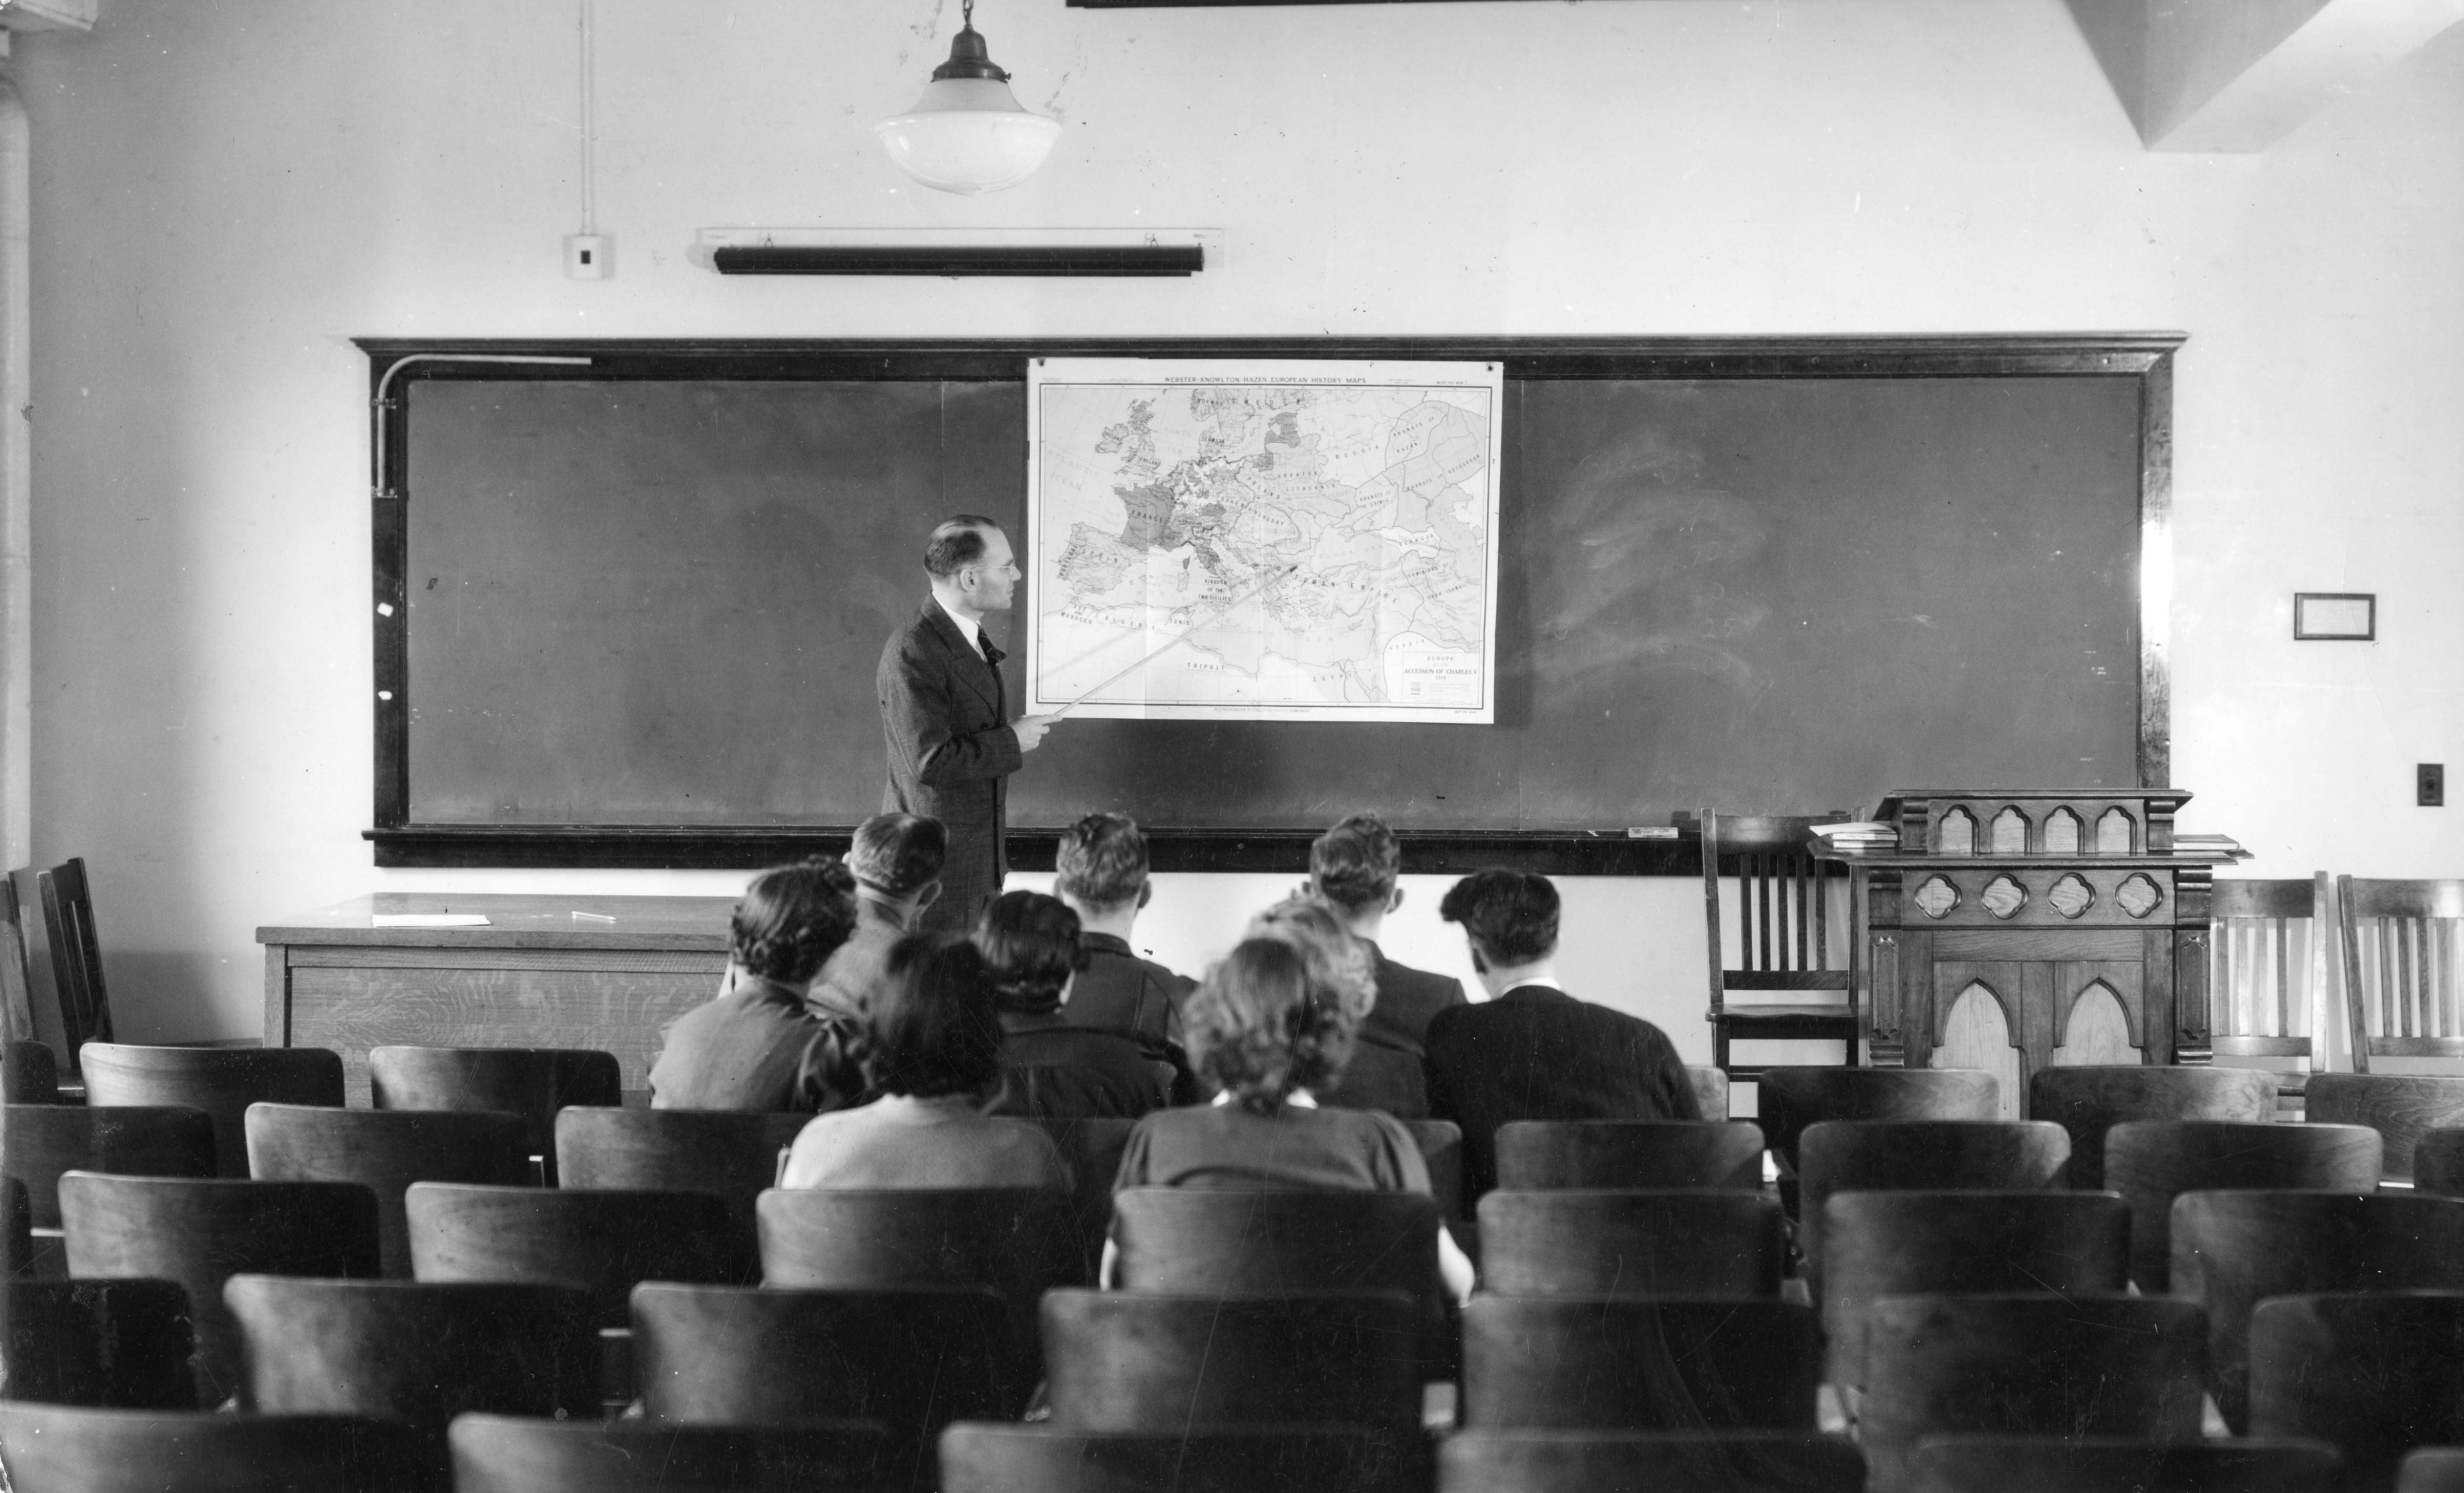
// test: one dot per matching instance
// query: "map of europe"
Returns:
(1240, 540)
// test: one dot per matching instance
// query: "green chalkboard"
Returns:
(647, 596)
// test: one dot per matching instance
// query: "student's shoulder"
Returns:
(1427, 984)
(1467, 1022)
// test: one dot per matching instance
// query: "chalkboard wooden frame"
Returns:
(394, 363)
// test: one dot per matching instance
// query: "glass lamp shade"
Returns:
(968, 135)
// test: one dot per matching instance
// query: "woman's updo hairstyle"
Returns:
(1304, 920)
(1031, 942)
(1271, 1019)
(791, 920)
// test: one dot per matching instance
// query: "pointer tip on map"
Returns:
(1064, 711)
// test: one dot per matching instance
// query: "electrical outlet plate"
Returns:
(2430, 785)
(589, 256)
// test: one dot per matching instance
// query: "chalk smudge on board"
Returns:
(1664, 558)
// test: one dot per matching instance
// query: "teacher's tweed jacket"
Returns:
(946, 718)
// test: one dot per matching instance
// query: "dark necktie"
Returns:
(992, 655)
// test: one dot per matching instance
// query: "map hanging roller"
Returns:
(1216, 615)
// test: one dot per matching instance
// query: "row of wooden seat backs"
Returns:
(503, 1453)
(2091, 1363)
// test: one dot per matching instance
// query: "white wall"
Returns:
(226, 191)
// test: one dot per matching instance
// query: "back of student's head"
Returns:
(931, 1028)
(1310, 925)
(898, 854)
(1267, 1020)
(791, 919)
(1354, 864)
(1512, 917)
(1030, 941)
(1102, 862)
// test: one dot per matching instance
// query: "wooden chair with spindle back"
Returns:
(77, 955)
(1783, 937)
(16, 970)
(2267, 982)
(2404, 961)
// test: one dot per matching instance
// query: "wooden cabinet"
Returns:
(534, 975)
(2040, 899)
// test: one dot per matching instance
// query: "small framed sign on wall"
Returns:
(2348, 616)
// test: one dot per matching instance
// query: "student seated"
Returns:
(1102, 876)
(1376, 1077)
(1353, 869)
(1271, 1023)
(743, 1049)
(932, 1048)
(1052, 1069)
(896, 859)
(1533, 1052)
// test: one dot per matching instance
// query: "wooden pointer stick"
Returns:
(1214, 616)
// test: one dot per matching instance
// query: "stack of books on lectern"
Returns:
(2224, 845)
(1863, 834)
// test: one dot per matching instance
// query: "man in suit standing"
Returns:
(1533, 1052)
(1352, 868)
(946, 716)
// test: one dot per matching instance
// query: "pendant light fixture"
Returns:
(966, 132)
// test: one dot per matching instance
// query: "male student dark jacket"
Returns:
(1537, 1053)
(1119, 992)
(1408, 1000)
(946, 719)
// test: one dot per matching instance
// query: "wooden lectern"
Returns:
(2038, 896)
